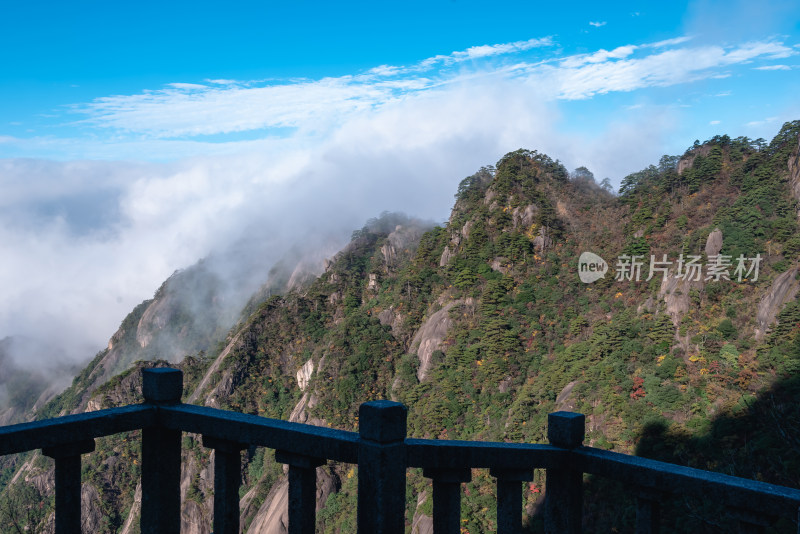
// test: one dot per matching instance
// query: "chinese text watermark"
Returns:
(592, 267)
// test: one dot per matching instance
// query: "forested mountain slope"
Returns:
(484, 326)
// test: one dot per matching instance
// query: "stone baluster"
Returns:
(227, 479)
(302, 490)
(447, 497)
(648, 511)
(68, 483)
(509, 498)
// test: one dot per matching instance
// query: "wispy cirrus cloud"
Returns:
(774, 67)
(618, 70)
(187, 110)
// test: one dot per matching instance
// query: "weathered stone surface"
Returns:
(132, 521)
(421, 524)
(687, 161)
(372, 282)
(524, 217)
(794, 172)
(447, 255)
(566, 401)
(273, 516)
(304, 374)
(400, 241)
(390, 317)
(212, 370)
(430, 336)
(784, 288)
(465, 230)
(675, 293)
(499, 264)
(714, 243)
(542, 241)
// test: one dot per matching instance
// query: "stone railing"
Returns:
(383, 453)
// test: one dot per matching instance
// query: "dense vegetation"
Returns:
(693, 383)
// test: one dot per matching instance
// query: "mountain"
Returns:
(482, 327)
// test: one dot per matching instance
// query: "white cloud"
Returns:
(186, 86)
(597, 24)
(668, 42)
(315, 107)
(774, 67)
(221, 81)
(768, 120)
(579, 79)
(80, 278)
(714, 122)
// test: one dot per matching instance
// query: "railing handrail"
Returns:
(300, 438)
(67, 429)
(668, 478)
(380, 444)
(454, 454)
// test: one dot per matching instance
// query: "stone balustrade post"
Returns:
(161, 456)
(564, 485)
(382, 468)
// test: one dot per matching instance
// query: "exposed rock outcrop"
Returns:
(131, 522)
(784, 288)
(447, 255)
(273, 516)
(91, 511)
(372, 282)
(794, 173)
(714, 243)
(299, 413)
(430, 336)
(524, 217)
(196, 515)
(402, 240)
(566, 401)
(212, 370)
(675, 293)
(687, 161)
(155, 318)
(542, 241)
(466, 229)
(304, 374)
(499, 264)
(304, 273)
(390, 317)
(421, 524)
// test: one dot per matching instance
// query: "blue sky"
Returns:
(138, 138)
(98, 80)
